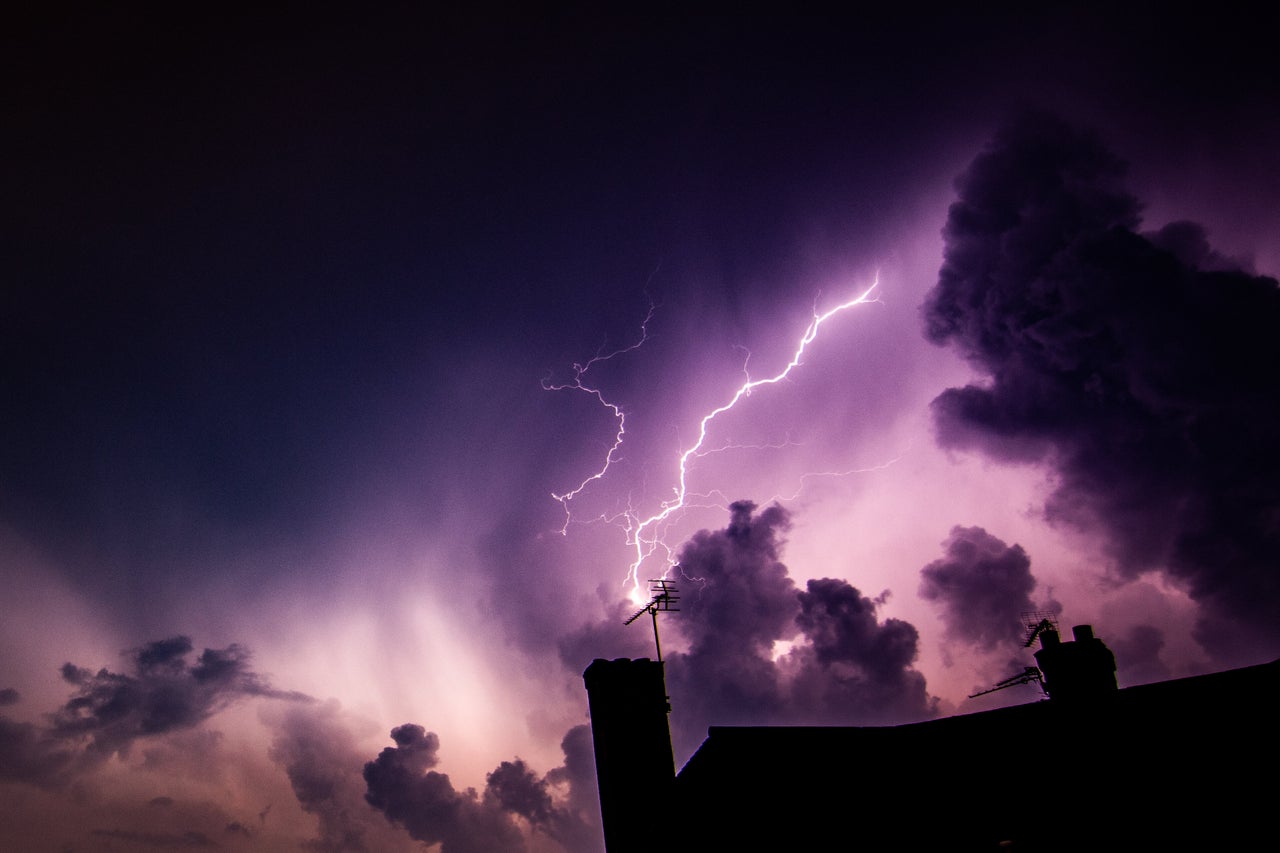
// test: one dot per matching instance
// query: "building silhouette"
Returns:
(1186, 764)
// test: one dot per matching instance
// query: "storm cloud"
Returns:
(855, 668)
(845, 665)
(982, 585)
(739, 602)
(1140, 367)
(110, 711)
(573, 818)
(163, 693)
(402, 785)
(424, 802)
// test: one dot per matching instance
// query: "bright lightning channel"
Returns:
(644, 535)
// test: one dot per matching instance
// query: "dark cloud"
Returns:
(983, 586)
(561, 805)
(740, 587)
(847, 667)
(73, 674)
(574, 822)
(9, 696)
(855, 669)
(403, 787)
(164, 693)
(167, 654)
(1138, 367)
(738, 602)
(519, 790)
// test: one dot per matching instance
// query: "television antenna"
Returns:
(1027, 676)
(1036, 622)
(665, 596)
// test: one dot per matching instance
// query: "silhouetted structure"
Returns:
(664, 600)
(1028, 675)
(1078, 671)
(1094, 768)
(634, 763)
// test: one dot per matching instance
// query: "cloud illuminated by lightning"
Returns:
(644, 535)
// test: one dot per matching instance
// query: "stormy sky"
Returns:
(308, 317)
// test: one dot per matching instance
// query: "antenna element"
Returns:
(1036, 622)
(1027, 676)
(665, 597)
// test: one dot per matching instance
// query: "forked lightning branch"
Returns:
(644, 533)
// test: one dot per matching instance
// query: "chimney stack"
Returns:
(1081, 670)
(635, 767)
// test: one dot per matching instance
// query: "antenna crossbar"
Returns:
(1036, 622)
(663, 601)
(1027, 676)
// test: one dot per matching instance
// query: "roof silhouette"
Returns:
(1179, 762)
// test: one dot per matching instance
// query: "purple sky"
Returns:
(277, 462)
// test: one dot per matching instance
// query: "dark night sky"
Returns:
(281, 291)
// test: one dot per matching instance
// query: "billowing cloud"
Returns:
(1137, 366)
(574, 820)
(982, 585)
(562, 804)
(739, 602)
(161, 702)
(519, 790)
(402, 785)
(846, 665)
(855, 668)
(153, 717)
(163, 693)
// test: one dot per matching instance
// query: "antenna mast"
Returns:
(664, 598)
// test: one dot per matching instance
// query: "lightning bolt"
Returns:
(644, 535)
(620, 416)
